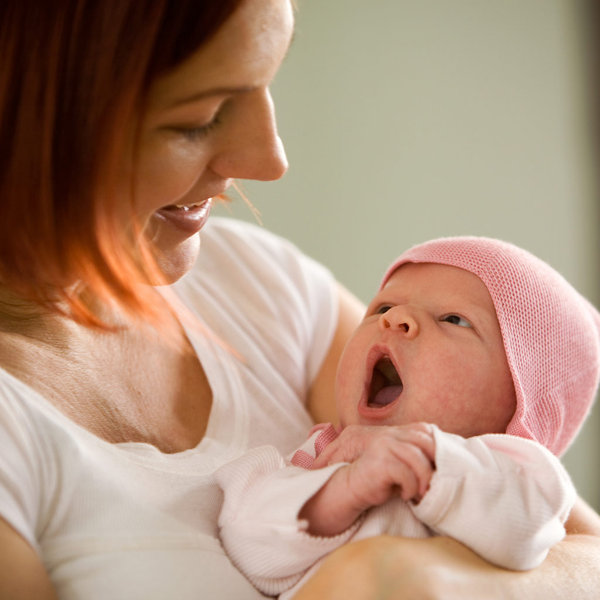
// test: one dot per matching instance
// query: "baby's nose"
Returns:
(400, 319)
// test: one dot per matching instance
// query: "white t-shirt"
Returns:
(125, 521)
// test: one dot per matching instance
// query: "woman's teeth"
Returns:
(189, 206)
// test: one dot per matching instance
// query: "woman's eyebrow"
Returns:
(212, 92)
(225, 90)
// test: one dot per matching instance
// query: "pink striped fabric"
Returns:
(316, 443)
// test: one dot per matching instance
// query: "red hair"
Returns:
(74, 75)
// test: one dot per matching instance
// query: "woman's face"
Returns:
(209, 121)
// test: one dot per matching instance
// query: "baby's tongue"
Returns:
(386, 395)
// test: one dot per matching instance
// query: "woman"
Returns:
(120, 122)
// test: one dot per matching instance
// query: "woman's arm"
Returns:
(583, 520)
(22, 574)
(387, 568)
(321, 399)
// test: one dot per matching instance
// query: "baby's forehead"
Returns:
(436, 278)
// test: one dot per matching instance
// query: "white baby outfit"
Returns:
(505, 497)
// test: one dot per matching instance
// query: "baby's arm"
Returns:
(385, 462)
(258, 523)
(505, 497)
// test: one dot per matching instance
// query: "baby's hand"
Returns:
(386, 461)
(354, 440)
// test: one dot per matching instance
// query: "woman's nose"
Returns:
(252, 149)
(401, 320)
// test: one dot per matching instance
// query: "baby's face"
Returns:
(429, 349)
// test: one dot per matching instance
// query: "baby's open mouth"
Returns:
(386, 384)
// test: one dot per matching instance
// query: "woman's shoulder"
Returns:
(244, 231)
(28, 421)
(252, 286)
(27, 456)
(17, 400)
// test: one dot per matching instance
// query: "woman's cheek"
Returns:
(169, 172)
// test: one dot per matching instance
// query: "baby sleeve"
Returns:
(505, 497)
(259, 525)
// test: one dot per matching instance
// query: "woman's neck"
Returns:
(123, 385)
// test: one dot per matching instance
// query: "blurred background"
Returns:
(405, 120)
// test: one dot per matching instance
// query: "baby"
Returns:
(473, 369)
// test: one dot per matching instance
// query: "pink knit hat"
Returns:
(551, 333)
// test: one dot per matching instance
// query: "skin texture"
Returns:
(242, 143)
(209, 121)
(438, 327)
(385, 462)
(23, 575)
(439, 568)
(431, 322)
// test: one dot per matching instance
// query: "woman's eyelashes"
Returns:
(195, 133)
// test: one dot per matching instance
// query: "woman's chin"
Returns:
(176, 260)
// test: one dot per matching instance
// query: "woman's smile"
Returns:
(209, 121)
(189, 218)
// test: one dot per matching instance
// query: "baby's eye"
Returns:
(456, 320)
(382, 309)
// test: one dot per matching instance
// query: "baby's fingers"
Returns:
(347, 447)
(329, 455)
(407, 483)
(418, 463)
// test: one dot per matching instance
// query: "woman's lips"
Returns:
(189, 218)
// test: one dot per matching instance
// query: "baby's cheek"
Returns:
(452, 396)
(349, 384)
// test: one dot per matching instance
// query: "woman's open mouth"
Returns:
(187, 217)
(386, 384)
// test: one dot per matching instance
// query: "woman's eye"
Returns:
(195, 133)
(456, 320)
